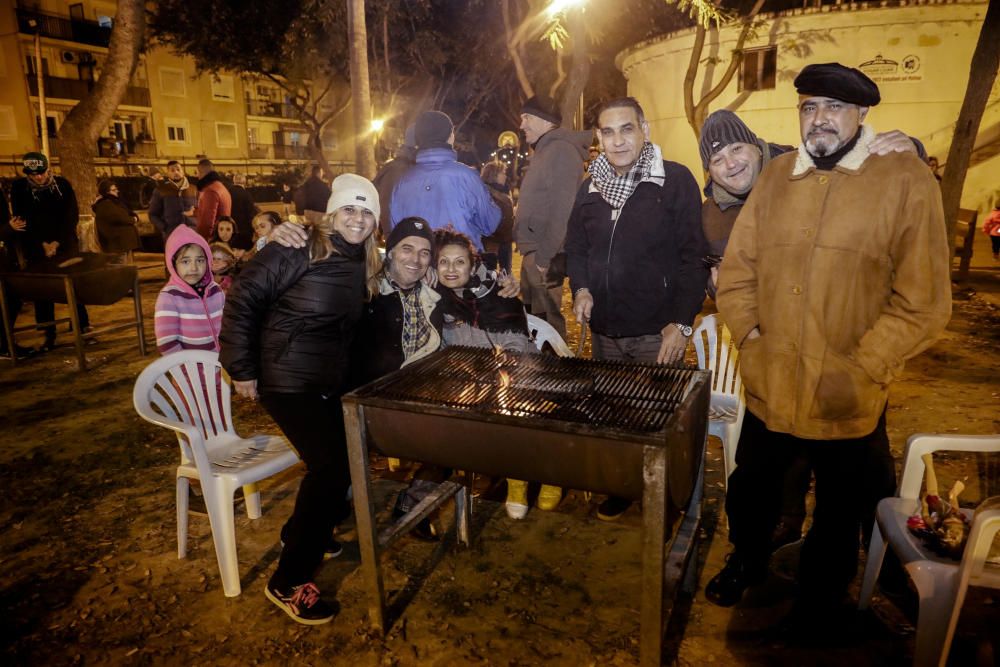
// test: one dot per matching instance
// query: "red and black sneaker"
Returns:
(302, 603)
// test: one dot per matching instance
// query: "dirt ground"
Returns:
(89, 572)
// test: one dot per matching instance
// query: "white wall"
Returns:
(936, 39)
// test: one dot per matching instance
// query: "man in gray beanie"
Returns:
(836, 273)
(547, 193)
(440, 189)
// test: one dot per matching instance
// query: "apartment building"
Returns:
(240, 120)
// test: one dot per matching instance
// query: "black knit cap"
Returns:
(722, 128)
(433, 128)
(544, 107)
(412, 226)
(838, 82)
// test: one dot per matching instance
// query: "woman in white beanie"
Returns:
(286, 333)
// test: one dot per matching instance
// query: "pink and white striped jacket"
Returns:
(186, 320)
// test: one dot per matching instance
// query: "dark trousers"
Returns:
(851, 477)
(995, 240)
(314, 424)
(45, 311)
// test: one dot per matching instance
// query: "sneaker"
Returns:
(333, 549)
(727, 587)
(612, 508)
(302, 604)
(549, 497)
(517, 499)
(20, 352)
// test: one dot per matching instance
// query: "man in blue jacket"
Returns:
(440, 189)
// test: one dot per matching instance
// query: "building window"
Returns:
(222, 88)
(172, 82)
(178, 131)
(759, 68)
(226, 135)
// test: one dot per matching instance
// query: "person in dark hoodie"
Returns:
(45, 213)
(393, 170)
(173, 201)
(546, 200)
(115, 221)
(214, 200)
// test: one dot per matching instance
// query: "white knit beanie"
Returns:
(353, 190)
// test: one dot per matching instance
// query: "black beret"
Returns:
(838, 82)
(544, 107)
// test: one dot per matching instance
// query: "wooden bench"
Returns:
(965, 235)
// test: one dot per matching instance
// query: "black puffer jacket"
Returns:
(644, 271)
(289, 324)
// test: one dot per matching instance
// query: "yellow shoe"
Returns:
(517, 499)
(549, 497)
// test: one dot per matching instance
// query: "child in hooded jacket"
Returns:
(189, 307)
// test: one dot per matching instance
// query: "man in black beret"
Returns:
(836, 273)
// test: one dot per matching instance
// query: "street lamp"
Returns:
(558, 6)
(377, 125)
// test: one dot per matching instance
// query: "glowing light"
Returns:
(558, 6)
(377, 125)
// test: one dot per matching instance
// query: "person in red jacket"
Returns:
(214, 200)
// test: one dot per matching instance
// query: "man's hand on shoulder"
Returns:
(893, 141)
(290, 235)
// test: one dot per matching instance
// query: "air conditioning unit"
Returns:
(70, 57)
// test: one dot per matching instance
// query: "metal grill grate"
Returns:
(629, 397)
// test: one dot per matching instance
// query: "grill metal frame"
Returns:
(662, 467)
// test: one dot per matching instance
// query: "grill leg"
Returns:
(364, 512)
(654, 514)
(74, 317)
(463, 510)
(137, 301)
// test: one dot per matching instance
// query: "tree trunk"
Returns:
(697, 112)
(364, 149)
(579, 71)
(84, 123)
(982, 73)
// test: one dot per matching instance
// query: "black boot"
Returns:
(727, 587)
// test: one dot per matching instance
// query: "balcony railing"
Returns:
(113, 148)
(272, 152)
(77, 89)
(270, 109)
(58, 27)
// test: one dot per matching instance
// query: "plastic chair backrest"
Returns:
(187, 393)
(985, 526)
(542, 332)
(716, 352)
(922, 443)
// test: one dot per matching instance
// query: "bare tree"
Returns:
(84, 123)
(982, 74)
(709, 14)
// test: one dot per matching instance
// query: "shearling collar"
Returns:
(851, 162)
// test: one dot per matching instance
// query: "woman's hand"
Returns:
(510, 288)
(246, 388)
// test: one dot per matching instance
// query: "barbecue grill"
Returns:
(630, 430)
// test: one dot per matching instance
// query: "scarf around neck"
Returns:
(49, 186)
(617, 189)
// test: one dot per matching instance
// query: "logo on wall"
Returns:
(883, 70)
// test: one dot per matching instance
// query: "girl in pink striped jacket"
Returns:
(189, 307)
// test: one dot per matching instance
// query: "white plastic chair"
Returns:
(542, 332)
(716, 352)
(941, 582)
(186, 393)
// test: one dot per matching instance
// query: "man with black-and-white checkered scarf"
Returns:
(634, 249)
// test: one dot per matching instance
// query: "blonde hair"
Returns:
(321, 247)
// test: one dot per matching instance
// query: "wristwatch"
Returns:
(685, 329)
